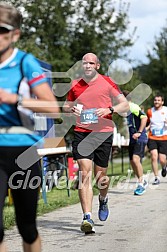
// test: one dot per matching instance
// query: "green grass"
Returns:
(8, 213)
(55, 199)
(58, 198)
(117, 170)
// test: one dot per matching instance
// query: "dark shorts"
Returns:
(159, 145)
(137, 148)
(94, 146)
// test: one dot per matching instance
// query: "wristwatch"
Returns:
(111, 110)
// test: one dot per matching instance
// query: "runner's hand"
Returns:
(136, 135)
(103, 112)
(76, 111)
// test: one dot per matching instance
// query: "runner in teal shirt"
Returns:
(20, 78)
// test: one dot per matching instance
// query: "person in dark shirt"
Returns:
(137, 121)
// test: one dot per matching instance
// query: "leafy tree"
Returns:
(45, 30)
(99, 29)
(155, 73)
(61, 31)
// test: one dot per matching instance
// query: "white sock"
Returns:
(103, 198)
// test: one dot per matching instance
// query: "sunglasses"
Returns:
(4, 30)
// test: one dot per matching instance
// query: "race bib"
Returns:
(157, 132)
(88, 116)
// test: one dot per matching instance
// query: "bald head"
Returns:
(91, 56)
(90, 66)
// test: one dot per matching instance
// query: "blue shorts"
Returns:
(137, 148)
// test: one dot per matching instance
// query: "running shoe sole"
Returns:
(138, 194)
(87, 227)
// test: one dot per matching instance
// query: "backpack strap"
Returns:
(23, 118)
(21, 70)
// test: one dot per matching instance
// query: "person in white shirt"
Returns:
(157, 136)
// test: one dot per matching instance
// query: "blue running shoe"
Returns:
(87, 226)
(103, 209)
(140, 190)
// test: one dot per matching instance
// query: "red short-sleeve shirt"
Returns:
(95, 94)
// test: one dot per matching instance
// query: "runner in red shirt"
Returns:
(91, 99)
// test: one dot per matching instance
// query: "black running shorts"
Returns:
(95, 146)
(159, 145)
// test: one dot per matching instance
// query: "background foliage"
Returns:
(62, 31)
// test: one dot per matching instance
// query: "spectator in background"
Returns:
(17, 82)
(137, 120)
(157, 136)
